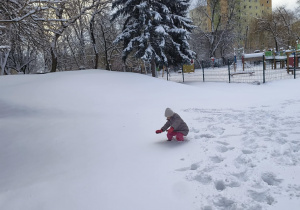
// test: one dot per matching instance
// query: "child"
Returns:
(178, 126)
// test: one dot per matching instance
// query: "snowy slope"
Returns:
(86, 140)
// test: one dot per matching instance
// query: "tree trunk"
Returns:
(107, 66)
(54, 53)
(276, 45)
(93, 39)
(4, 61)
(96, 60)
(54, 61)
(105, 47)
(153, 67)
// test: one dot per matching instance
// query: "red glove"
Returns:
(171, 130)
(158, 131)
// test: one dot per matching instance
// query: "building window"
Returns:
(250, 7)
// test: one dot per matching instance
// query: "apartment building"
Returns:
(202, 15)
(255, 8)
(250, 9)
(245, 11)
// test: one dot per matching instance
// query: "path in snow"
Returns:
(265, 140)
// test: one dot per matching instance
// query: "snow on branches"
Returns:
(157, 29)
(18, 10)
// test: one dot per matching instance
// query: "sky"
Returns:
(290, 3)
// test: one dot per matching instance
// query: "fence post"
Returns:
(228, 70)
(182, 74)
(264, 69)
(203, 70)
(294, 65)
(168, 74)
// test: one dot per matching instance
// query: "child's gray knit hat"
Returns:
(169, 112)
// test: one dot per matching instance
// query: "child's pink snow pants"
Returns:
(179, 136)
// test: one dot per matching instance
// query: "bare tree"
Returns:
(287, 19)
(16, 23)
(19, 10)
(215, 25)
(107, 33)
(68, 14)
(93, 36)
(56, 35)
(275, 30)
(102, 34)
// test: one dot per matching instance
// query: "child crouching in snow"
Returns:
(178, 126)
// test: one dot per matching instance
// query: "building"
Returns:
(245, 12)
(202, 15)
(250, 9)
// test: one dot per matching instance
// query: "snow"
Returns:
(4, 47)
(86, 140)
(254, 55)
(160, 30)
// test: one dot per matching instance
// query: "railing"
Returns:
(254, 71)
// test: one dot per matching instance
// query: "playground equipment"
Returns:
(293, 60)
(254, 57)
(188, 68)
(288, 59)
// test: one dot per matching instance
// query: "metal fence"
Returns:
(259, 71)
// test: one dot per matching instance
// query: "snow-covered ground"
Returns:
(86, 140)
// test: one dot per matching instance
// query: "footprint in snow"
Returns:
(223, 143)
(216, 130)
(193, 167)
(261, 197)
(220, 185)
(208, 136)
(224, 203)
(203, 178)
(270, 179)
(241, 176)
(216, 159)
(223, 149)
(194, 130)
(247, 152)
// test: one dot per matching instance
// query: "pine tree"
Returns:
(155, 30)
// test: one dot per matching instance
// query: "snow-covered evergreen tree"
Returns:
(155, 30)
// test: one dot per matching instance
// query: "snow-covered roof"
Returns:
(253, 55)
